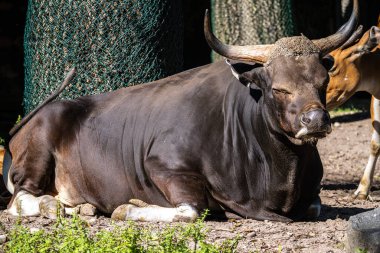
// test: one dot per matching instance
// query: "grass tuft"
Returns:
(73, 235)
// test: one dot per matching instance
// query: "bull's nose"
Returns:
(314, 123)
(316, 120)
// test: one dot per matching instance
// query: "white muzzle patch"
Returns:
(302, 132)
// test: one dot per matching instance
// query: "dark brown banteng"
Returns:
(356, 68)
(227, 137)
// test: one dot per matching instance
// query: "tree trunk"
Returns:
(112, 44)
(248, 22)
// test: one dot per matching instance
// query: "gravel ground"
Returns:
(344, 155)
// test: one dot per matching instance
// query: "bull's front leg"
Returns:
(183, 189)
(364, 187)
(138, 210)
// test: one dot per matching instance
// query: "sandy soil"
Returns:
(344, 154)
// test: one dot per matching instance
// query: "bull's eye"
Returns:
(281, 91)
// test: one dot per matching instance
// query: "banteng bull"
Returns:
(356, 68)
(230, 137)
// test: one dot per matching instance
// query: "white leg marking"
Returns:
(25, 204)
(366, 180)
(183, 212)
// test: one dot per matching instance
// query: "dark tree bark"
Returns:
(252, 21)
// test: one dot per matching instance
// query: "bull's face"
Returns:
(345, 74)
(293, 91)
(296, 88)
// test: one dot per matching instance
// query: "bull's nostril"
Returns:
(305, 120)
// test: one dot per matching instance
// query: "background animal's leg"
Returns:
(366, 181)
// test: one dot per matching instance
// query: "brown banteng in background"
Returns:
(356, 68)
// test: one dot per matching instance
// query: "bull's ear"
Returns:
(373, 40)
(242, 71)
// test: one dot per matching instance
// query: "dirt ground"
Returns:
(344, 154)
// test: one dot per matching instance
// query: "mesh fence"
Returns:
(112, 43)
(248, 22)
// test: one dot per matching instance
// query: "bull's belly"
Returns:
(105, 190)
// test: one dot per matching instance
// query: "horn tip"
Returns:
(207, 17)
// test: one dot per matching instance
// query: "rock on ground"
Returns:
(364, 232)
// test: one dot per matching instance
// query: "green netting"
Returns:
(249, 22)
(112, 43)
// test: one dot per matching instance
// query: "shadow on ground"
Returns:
(351, 117)
(332, 213)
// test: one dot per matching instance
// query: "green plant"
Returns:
(19, 118)
(352, 106)
(360, 250)
(73, 235)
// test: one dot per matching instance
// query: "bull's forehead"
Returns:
(293, 46)
(296, 70)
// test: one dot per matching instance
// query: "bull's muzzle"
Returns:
(314, 123)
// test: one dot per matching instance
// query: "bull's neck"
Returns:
(247, 125)
(250, 144)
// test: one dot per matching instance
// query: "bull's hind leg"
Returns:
(31, 172)
(366, 181)
(25, 204)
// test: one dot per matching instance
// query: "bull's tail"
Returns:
(66, 82)
(7, 162)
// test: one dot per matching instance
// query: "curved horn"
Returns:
(353, 38)
(252, 53)
(334, 41)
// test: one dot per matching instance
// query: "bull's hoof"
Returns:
(121, 212)
(314, 210)
(51, 207)
(88, 210)
(186, 213)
